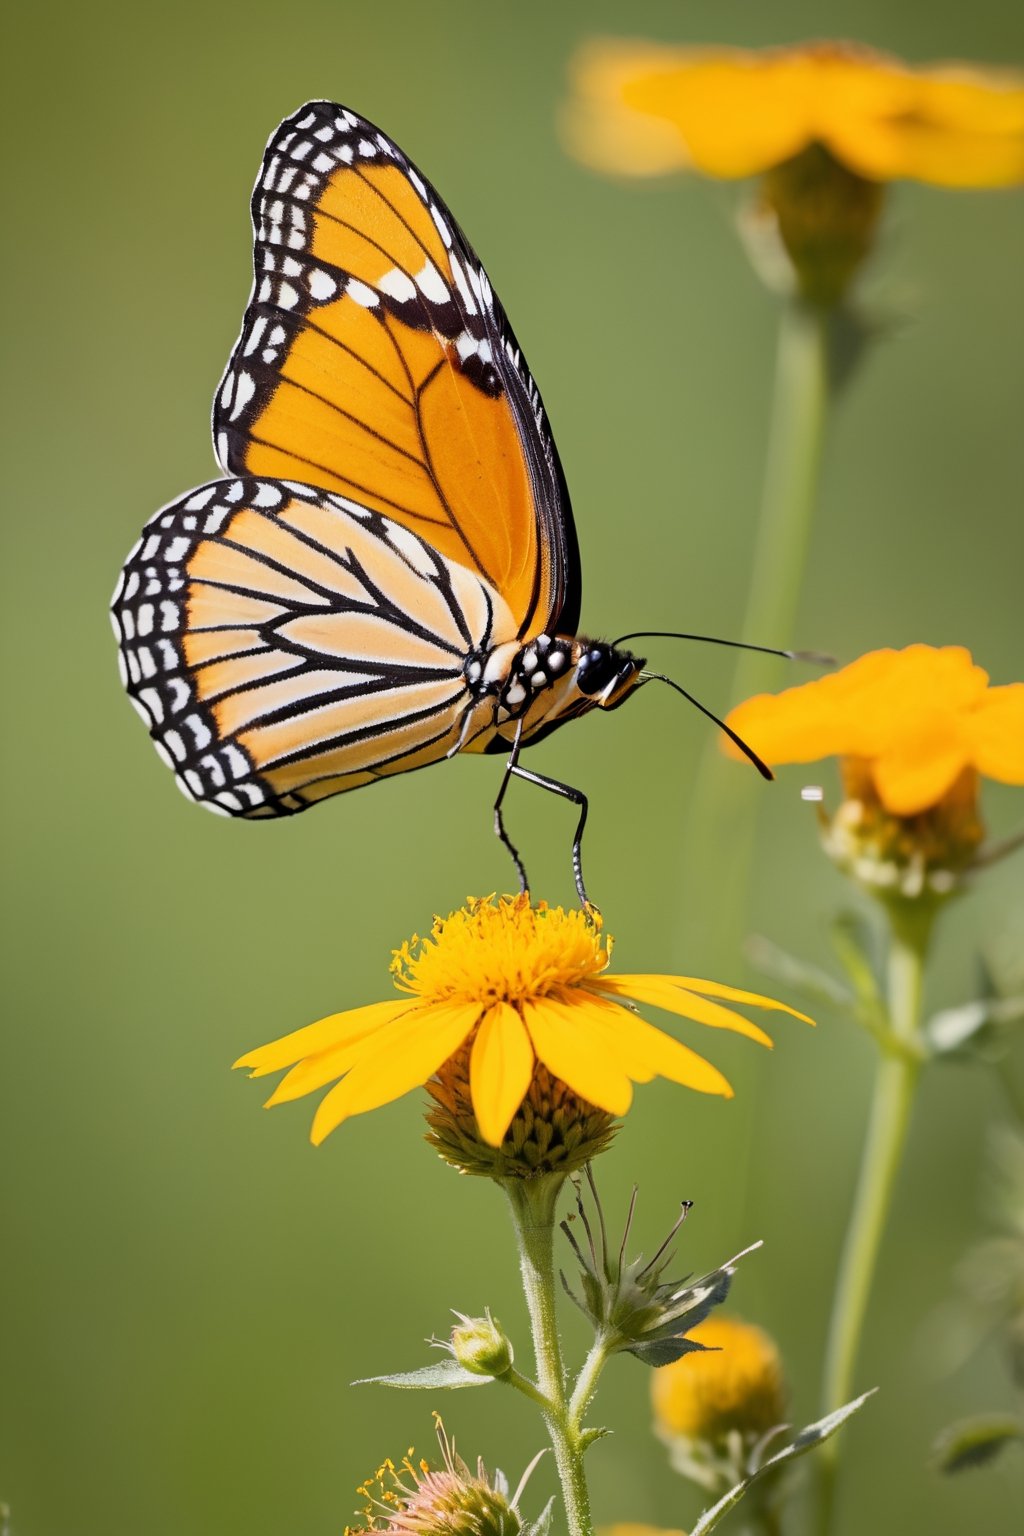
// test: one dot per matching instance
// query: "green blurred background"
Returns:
(188, 1287)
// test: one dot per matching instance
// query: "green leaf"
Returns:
(852, 941)
(975, 1442)
(445, 1373)
(808, 1439)
(588, 1437)
(972, 1025)
(817, 985)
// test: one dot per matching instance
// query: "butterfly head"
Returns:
(605, 674)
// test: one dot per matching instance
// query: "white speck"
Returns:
(556, 661)
(530, 661)
(235, 491)
(235, 761)
(269, 354)
(168, 616)
(461, 284)
(432, 284)
(200, 730)
(287, 296)
(195, 783)
(146, 661)
(397, 285)
(131, 586)
(266, 495)
(150, 547)
(177, 549)
(515, 695)
(153, 703)
(286, 177)
(321, 285)
(323, 163)
(325, 134)
(361, 294)
(543, 641)
(305, 122)
(176, 745)
(180, 693)
(301, 150)
(441, 227)
(254, 338)
(211, 766)
(812, 792)
(473, 671)
(128, 624)
(146, 618)
(229, 800)
(538, 680)
(291, 268)
(367, 148)
(245, 388)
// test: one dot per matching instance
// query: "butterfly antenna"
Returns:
(816, 658)
(748, 751)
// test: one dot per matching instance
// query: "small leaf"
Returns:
(446, 1373)
(975, 1442)
(953, 1029)
(808, 1439)
(588, 1437)
(852, 942)
(780, 965)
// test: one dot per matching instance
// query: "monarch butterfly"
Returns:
(389, 575)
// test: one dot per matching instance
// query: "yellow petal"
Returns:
(660, 992)
(500, 1070)
(647, 1052)
(996, 733)
(560, 1038)
(910, 781)
(401, 1056)
(316, 1072)
(336, 1029)
(716, 989)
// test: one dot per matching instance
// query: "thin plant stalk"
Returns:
(532, 1203)
(726, 797)
(892, 1099)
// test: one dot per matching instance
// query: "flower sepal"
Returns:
(633, 1310)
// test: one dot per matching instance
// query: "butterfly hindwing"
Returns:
(376, 362)
(283, 644)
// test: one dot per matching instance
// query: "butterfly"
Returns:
(388, 572)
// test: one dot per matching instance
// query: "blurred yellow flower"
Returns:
(734, 1384)
(640, 108)
(525, 989)
(913, 721)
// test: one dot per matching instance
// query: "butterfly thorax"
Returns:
(531, 689)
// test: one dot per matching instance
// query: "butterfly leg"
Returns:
(569, 793)
(499, 820)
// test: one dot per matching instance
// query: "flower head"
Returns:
(414, 1499)
(913, 729)
(515, 1000)
(734, 1383)
(641, 109)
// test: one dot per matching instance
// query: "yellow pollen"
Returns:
(504, 951)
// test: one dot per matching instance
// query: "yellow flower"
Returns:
(641, 108)
(525, 992)
(734, 1384)
(915, 721)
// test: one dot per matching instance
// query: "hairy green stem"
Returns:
(892, 1097)
(532, 1203)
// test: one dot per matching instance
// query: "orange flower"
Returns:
(734, 1383)
(916, 720)
(642, 109)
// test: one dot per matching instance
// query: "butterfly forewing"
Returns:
(284, 644)
(375, 361)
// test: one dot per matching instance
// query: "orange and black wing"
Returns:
(283, 644)
(376, 362)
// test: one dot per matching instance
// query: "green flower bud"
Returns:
(481, 1345)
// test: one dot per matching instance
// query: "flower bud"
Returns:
(481, 1345)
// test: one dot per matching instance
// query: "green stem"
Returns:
(586, 1381)
(892, 1097)
(724, 805)
(532, 1203)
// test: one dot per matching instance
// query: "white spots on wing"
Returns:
(229, 800)
(200, 730)
(529, 661)
(432, 285)
(325, 134)
(175, 745)
(195, 783)
(410, 547)
(177, 549)
(122, 667)
(474, 671)
(305, 122)
(147, 665)
(321, 285)
(305, 491)
(538, 680)
(353, 507)
(168, 616)
(441, 227)
(495, 668)
(267, 495)
(465, 293)
(245, 388)
(286, 178)
(154, 704)
(287, 296)
(179, 693)
(292, 268)
(367, 148)
(516, 694)
(168, 654)
(397, 285)
(201, 498)
(361, 294)
(222, 450)
(417, 182)
(150, 547)
(556, 661)
(235, 760)
(301, 150)
(128, 624)
(323, 163)
(277, 335)
(146, 618)
(235, 491)
(269, 355)
(265, 290)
